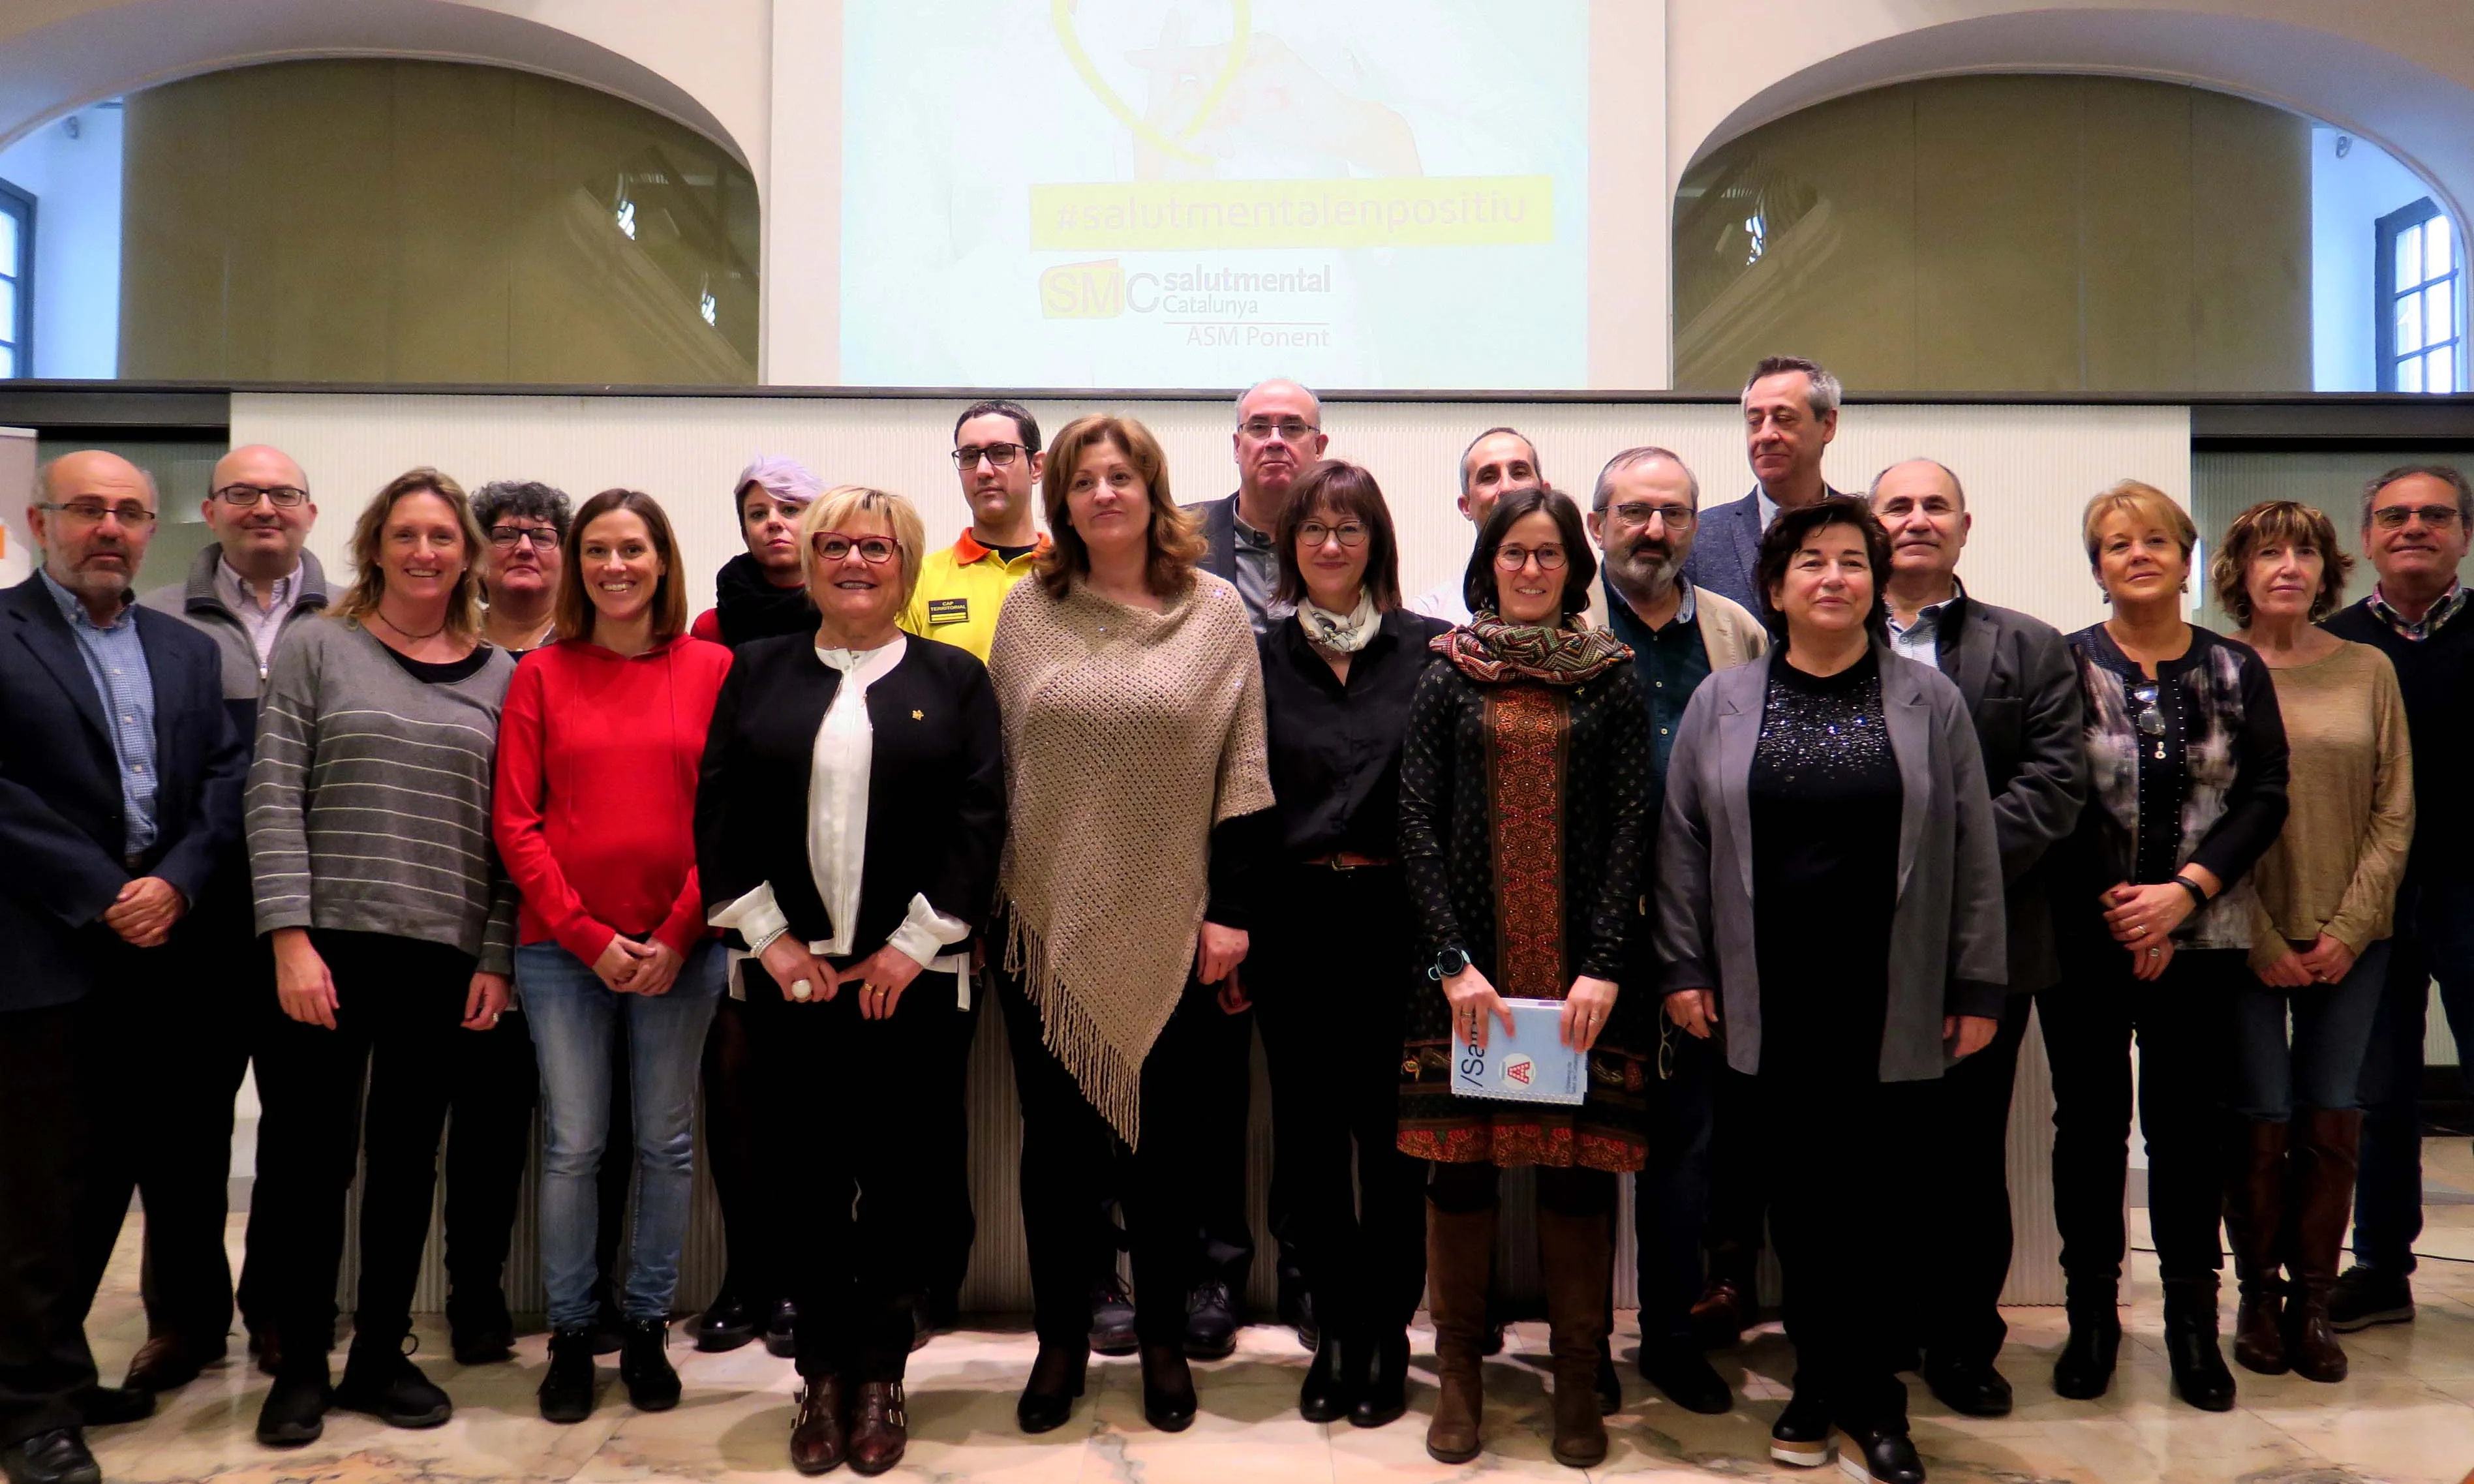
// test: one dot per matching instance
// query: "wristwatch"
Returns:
(1447, 963)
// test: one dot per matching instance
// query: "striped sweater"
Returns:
(368, 801)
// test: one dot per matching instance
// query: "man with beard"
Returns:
(120, 796)
(1496, 462)
(1642, 517)
(2023, 692)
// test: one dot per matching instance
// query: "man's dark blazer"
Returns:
(1218, 520)
(2023, 692)
(62, 832)
(1726, 546)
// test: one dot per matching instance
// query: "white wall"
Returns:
(2348, 197)
(76, 187)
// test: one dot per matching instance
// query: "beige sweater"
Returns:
(2336, 867)
(1128, 736)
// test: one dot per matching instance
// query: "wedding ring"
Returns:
(2154, 952)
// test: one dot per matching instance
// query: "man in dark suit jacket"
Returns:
(1790, 414)
(2023, 694)
(1279, 432)
(120, 785)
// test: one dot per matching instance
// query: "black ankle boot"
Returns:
(2198, 1366)
(1326, 1395)
(1056, 1379)
(567, 1388)
(1168, 1387)
(645, 1364)
(2084, 1370)
(1384, 1395)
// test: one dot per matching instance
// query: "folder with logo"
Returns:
(1529, 1065)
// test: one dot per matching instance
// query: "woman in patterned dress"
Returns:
(1524, 820)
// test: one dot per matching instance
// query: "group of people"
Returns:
(1793, 827)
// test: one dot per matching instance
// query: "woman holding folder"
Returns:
(1524, 820)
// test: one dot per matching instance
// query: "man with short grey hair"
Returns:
(1495, 463)
(1279, 432)
(1790, 415)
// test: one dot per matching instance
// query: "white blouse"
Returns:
(837, 835)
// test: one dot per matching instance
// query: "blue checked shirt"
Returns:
(117, 660)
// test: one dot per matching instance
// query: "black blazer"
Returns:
(1217, 520)
(2023, 692)
(62, 829)
(935, 791)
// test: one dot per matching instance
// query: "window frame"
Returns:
(19, 203)
(2386, 293)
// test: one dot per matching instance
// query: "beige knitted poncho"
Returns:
(1128, 736)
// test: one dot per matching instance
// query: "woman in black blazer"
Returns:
(860, 908)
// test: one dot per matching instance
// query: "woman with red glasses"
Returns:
(859, 907)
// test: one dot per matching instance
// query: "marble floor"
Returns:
(2406, 1415)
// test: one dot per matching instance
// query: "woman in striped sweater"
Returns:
(393, 924)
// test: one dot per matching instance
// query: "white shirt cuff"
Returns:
(925, 931)
(752, 916)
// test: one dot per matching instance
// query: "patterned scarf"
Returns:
(1341, 633)
(1490, 650)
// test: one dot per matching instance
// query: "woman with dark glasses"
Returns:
(2154, 912)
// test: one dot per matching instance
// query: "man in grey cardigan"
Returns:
(2023, 692)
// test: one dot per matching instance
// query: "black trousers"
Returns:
(954, 1227)
(1225, 1062)
(400, 1008)
(43, 1144)
(1330, 974)
(494, 1085)
(1069, 1152)
(1841, 1173)
(1739, 1195)
(1970, 1199)
(1671, 1193)
(733, 1125)
(2183, 1023)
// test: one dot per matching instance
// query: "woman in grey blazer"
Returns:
(1830, 907)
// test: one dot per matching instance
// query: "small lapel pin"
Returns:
(919, 715)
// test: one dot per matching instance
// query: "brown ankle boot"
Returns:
(2254, 1215)
(1460, 1259)
(2323, 1201)
(1576, 1254)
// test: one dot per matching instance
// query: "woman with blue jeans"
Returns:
(2326, 890)
(595, 807)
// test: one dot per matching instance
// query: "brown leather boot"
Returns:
(2254, 1216)
(818, 1438)
(1575, 1254)
(1459, 1259)
(2324, 1202)
(880, 1428)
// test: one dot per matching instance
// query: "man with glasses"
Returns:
(1790, 415)
(120, 801)
(1495, 463)
(1643, 516)
(2416, 521)
(2023, 692)
(1279, 432)
(251, 584)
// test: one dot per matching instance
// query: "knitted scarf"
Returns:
(751, 607)
(1128, 736)
(1489, 651)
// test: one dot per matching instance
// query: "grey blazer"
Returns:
(1947, 950)
(1726, 546)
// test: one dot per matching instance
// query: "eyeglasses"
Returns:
(1514, 558)
(542, 537)
(1634, 512)
(1290, 429)
(1348, 533)
(2392, 517)
(281, 496)
(89, 512)
(1000, 455)
(874, 550)
(2151, 719)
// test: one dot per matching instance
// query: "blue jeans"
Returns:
(2435, 939)
(2321, 1066)
(573, 1016)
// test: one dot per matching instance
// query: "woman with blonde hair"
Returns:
(2154, 912)
(857, 902)
(1135, 766)
(2327, 890)
(369, 842)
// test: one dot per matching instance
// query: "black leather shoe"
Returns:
(1971, 1388)
(2199, 1375)
(1297, 1311)
(111, 1406)
(1210, 1322)
(166, 1362)
(1326, 1395)
(781, 1330)
(2084, 1370)
(1801, 1436)
(1609, 1382)
(56, 1457)
(480, 1330)
(294, 1412)
(567, 1387)
(383, 1382)
(1113, 1319)
(645, 1364)
(1383, 1394)
(1056, 1379)
(1168, 1388)
(1878, 1456)
(726, 1326)
(1678, 1369)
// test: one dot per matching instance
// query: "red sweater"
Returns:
(594, 810)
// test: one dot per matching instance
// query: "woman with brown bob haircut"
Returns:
(2327, 890)
(1133, 707)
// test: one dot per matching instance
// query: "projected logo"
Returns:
(1212, 306)
(1083, 291)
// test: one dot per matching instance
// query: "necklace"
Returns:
(381, 615)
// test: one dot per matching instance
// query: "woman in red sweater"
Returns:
(598, 748)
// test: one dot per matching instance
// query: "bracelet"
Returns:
(2198, 896)
(758, 947)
